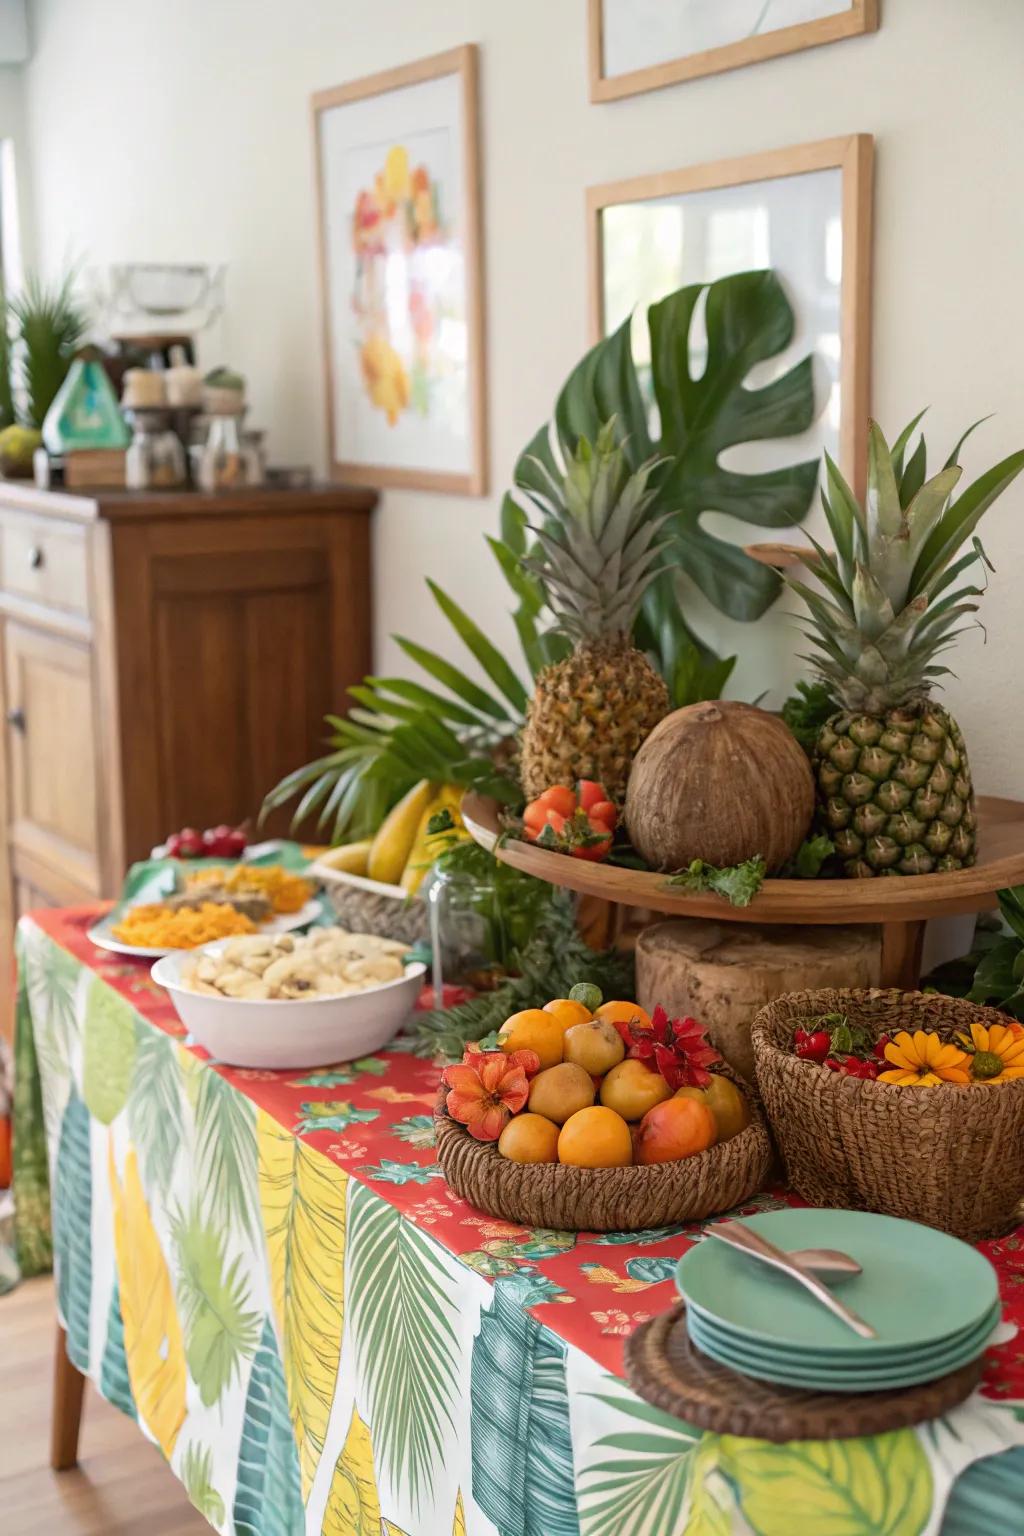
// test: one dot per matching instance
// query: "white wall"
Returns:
(179, 129)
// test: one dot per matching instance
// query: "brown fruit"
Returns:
(529, 1139)
(722, 782)
(673, 1130)
(560, 1092)
(595, 1138)
(631, 1089)
(596, 1046)
(725, 1101)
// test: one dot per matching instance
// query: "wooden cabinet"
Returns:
(165, 659)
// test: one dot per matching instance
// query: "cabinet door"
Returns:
(51, 753)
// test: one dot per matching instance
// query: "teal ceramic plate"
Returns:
(730, 1343)
(848, 1378)
(918, 1285)
(824, 1378)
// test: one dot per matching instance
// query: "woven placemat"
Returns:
(666, 1368)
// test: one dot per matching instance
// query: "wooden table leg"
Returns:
(68, 1385)
(902, 944)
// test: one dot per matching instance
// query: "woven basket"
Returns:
(566, 1199)
(361, 909)
(951, 1157)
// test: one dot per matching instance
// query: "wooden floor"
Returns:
(121, 1486)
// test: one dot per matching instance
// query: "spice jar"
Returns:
(222, 465)
(155, 458)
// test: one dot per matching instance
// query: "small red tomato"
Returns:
(604, 812)
(235, 842)
(534, 816)
(557, 798)
(590, 793)
(186, 844)
(215, 841)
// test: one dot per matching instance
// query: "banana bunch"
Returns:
(403, 850)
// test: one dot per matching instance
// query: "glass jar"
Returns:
(222, 465)
(155, 458)
(462, 931)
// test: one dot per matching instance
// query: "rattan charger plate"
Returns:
(564, 1199)
(666, 1368)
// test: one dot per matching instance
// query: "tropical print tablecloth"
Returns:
(268, 1272)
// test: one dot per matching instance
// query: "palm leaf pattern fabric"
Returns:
(276, 1307)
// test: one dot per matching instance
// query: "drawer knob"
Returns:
(35, 557)
(16, 717)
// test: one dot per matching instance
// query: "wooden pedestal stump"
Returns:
(721, 973)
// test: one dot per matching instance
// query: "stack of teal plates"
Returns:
(932, 1300)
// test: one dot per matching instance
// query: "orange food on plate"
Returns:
(151, 926)
(285, 891)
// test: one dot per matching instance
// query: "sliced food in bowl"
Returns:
(328, 962)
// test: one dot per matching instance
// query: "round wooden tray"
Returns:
(901, 905)
(665, 1368)
(899, 899)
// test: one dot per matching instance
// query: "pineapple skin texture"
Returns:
(589, 716)
(894, 791)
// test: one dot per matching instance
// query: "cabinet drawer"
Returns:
(45, 561)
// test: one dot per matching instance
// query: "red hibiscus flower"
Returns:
(677, 1048)
(485, 1093)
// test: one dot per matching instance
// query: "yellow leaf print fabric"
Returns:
(353, 1505)
(302, 1200)
(152, 1334)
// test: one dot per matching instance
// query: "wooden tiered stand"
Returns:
(900, 906)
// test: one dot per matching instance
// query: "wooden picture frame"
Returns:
(853, 157)
(862, 16)
(470, 476)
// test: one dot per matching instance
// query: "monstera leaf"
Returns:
(749, 321)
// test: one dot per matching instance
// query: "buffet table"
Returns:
(267, 1271)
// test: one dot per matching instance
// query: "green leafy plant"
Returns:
(554, 959)
(748, 320)
(810, 858)
(998, 960)
(48, 325)
(737, 883)
(6, 381)
(806, 710)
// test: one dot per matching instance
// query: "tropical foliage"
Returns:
(403, 1318)
(993, 972)
(453, 729)
(638, 1487)
(48, 325)
(221, 1330)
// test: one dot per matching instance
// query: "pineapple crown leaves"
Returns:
(598, 549)
(888, 602)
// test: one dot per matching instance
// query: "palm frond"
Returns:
(49, 325)
(226, 1150)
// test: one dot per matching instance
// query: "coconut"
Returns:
(722, 782)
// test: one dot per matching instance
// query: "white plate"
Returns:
(100, 933)
(289, 1033)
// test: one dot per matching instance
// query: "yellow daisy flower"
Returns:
(998, 1053)
(922, 1060)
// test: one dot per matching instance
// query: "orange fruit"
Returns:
(675, 1129)
(725, 1101)
(595, 1138)
(529, 1139)
(533, 1030)
(631, 1089)
(622, 1015)
(560, 1091)
(596, 1046)
(567, 1011)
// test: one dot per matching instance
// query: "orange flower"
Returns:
(485, 1093)
(921, 1060)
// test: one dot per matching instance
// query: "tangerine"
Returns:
(529, 1139)
(622, 1015)
(567, 1011)
(673, 1130)
(533, 1030)
(595, 1138)
(725, 1101)
(560, 1091)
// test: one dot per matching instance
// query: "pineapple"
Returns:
(598, 552)
(893, 781)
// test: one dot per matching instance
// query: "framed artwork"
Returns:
(806, 213)
(641, 45)
(398, 225)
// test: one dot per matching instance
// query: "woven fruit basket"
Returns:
(951, 1156)
(569, 1199)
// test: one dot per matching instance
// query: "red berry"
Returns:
(590, 793)
(186, 844)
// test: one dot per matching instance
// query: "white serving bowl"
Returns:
(282, 1033)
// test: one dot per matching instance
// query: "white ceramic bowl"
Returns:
(280, 1033)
